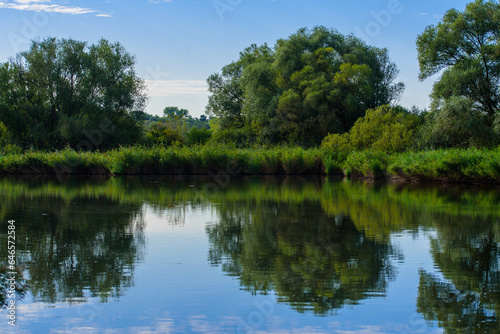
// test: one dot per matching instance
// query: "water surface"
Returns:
(251, 255)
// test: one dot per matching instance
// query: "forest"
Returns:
(317, 102)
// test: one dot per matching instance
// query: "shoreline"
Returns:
(468, 166)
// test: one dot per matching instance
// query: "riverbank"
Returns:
(450, 165)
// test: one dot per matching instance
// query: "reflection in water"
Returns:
(13, 286)
(73, 250)
(311, 260)
(317, 245)
(467, 297)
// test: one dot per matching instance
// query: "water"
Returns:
(251, 255)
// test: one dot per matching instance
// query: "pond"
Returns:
(227, 254)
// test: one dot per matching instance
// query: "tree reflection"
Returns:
(74, 250)
(12, 285)
(467, 297)
(312, 261)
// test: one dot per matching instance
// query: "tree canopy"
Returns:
(313, 83)
(464, 46)
(70, 93)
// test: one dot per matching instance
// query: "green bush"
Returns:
(333, 162)
(197, 136)
(371, 164)
(238, 137)
(457, 124)
(382, 129)
(165, 134)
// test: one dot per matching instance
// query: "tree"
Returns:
(315, 82)
(172, 112)
(60, 92)
(465, 46)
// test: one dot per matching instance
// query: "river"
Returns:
(228, 254)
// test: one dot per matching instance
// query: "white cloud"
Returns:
(176, 87)
(44, 6)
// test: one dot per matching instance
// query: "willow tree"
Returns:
(66, 92)
(465, 48)
(314, 82)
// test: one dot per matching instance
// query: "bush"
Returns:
(383, 129)
(457, 124)
(165, 134)
(198, 136)
(238, 137)
(367, 163)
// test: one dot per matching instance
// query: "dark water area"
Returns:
(248, 255)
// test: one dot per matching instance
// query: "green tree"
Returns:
(465, 47)
(315, 82)
(172, 112)
(61, 92)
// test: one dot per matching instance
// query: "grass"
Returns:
(450, 165)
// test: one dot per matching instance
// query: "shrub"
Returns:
(197, 136)
(367, 163)
(383, 129)
(457, 124)
(165, 134)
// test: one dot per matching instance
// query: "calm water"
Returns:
(251, 255)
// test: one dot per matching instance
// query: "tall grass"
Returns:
(372, 164)
(453, 165)
(449, 164)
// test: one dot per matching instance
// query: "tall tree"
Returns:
(465, 46)
(62, 92)
(315, 82)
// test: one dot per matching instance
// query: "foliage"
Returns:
(457, 124)
(197, 136)
(165, 133)
(384, 128)
(61, 92)
(172, 129)
(172, 112)
(450, 165)
(239, 137)
(308, 85)
(367, 164)
(464, 45)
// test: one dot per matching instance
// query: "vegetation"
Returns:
(308, 85)
(317, 102)
(445, 165)
(464, 46)
(68, 93)
(384, 129)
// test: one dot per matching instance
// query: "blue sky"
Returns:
(179, 43)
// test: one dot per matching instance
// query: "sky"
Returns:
(177, 44)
